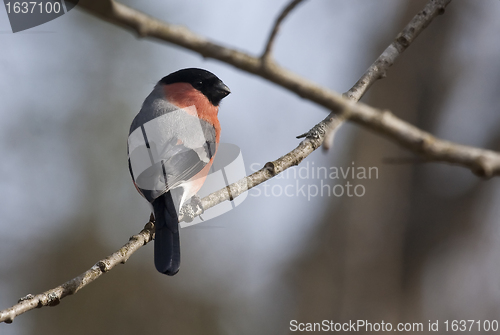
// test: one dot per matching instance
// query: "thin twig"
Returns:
(53, 297)
(378, 69)
(313, 140)
(270, 41)
(331, 132)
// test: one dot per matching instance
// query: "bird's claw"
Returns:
(187, 213)
(196, 203)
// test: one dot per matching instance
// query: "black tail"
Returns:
(167, 242)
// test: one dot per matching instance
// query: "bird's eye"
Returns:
(198, 84)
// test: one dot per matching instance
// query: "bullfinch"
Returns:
(171, 146)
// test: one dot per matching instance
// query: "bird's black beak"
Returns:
(217, 92)
(223, 90)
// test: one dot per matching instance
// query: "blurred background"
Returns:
(420, 244)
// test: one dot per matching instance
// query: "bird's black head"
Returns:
(204, 81)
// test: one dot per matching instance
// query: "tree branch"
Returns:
(272, 36)
(53, 297)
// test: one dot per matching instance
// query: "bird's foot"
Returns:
(196, 203)
(187, 213)
(191, 210)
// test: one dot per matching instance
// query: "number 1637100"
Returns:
(33, 7)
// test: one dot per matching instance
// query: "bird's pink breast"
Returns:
(184, 95)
